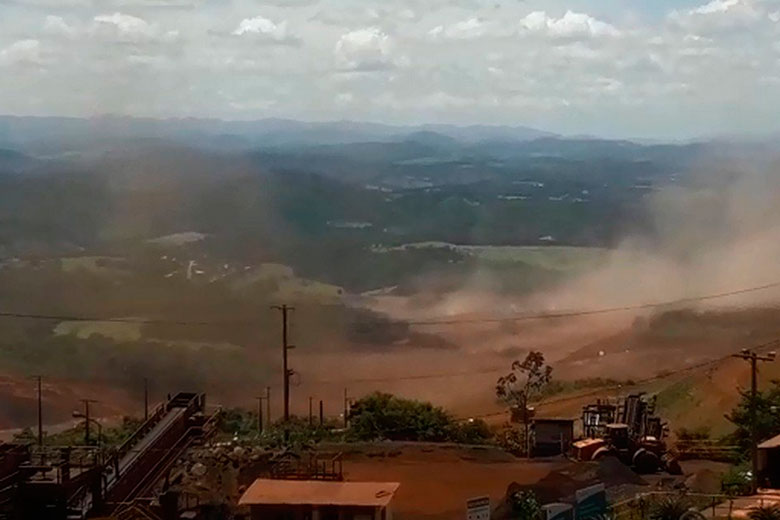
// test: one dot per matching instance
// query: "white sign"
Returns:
(478, 508)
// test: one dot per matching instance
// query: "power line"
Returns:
(638, 382)
(450, 320)
(406, 378)
(139, 321)
(606, 310)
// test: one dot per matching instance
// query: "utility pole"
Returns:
(311, 417)
(40, 412)
(268, 405)
(754, 358)
(260, 415)
(322, 417)
(146, 399)
(346, 409)
(285, 347)
(86, 419)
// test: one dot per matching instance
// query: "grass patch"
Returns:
(676, 394)
(557, 387)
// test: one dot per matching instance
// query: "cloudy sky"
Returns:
(642, 68)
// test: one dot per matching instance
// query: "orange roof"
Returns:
(582, 443)
(313, 492)
(774, 442)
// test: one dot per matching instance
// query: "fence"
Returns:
(692, 505)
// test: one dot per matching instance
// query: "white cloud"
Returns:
(110, 3)
(716, 6)
(265, 29)
(463, 30)
(570, 25)
(345, 98)
(128, 28)
(720, 15)
(57, 26)
(366, 49)
(21, 52)
(146, 60)
(484, 60)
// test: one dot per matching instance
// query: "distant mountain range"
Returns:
(42, 133)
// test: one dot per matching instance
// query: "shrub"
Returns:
(525, 505)
(771, 512)
(669, 508)
(385, 416)
(512, 440)
(736, 481)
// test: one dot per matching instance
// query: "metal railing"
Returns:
(700, 505)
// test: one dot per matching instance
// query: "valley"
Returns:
(406, 259)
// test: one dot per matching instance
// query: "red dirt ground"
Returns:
(436, 480)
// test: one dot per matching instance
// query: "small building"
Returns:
(319, 500)
(551, 436)
(769, 463)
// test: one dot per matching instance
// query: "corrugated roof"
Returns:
(310, 492)
(774, 442)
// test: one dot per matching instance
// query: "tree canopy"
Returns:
(385, 416)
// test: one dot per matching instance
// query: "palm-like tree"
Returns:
(771, 512)
(669, 508)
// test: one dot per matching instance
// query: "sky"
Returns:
(615, 68)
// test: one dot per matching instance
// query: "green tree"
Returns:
(381, 415)
(385, 416)
(526, 381)
(767, 405)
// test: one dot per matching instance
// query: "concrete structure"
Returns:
(552, 436)
(319, 500)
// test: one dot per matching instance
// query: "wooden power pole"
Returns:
(754, 358)
(87, 419)
(268, 405)
(346, 409)
(40, 413)
(284, 309)
(259, 413)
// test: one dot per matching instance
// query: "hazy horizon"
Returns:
(422, 126)
(669, 70)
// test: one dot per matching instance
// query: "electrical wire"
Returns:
(450, 320)
(404, 378)
(139, 321)
(606, 310)
(635, 383)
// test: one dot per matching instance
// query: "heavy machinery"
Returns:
(628, 430)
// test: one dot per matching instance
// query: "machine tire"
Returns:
(645, 461)
(602, 453)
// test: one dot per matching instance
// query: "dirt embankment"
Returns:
(19, 403)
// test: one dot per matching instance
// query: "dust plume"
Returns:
(716, 231)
